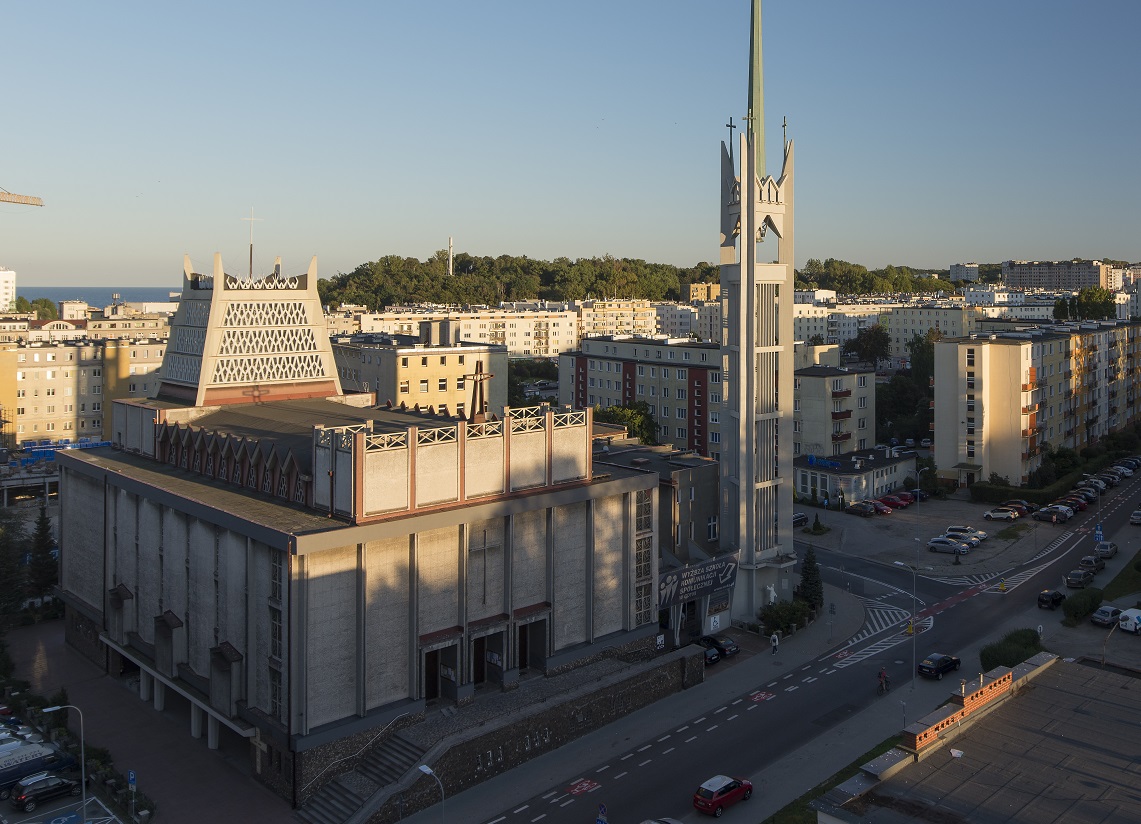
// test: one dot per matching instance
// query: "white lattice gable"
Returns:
(243, 340)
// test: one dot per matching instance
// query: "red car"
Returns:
(893, 501)
(1074, 503)
(906, 497)
(881, 508)
(720, 792)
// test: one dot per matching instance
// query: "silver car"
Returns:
(951, 545)
(970, 540)
(958, 529)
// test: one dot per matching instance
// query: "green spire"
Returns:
(757, 91)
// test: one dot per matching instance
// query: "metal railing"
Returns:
(364, 747)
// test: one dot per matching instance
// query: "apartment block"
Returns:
(429, 374)
(7, 290)
(1000, 397)
(680, 380)
(703, 292)
(59, 392)
(1061, 274)
(537, 331)
(834, 410)
(675, 320)
(905, 322)
(964, 272)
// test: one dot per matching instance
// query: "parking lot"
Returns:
(904, 533)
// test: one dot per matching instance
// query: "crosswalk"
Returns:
(881, 646)
(1008, 583)
(877, 618)
(970, 580)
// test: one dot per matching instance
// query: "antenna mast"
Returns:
(251, 219)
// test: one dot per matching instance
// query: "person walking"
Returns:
(774, 640)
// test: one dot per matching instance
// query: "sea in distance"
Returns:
(100, 296)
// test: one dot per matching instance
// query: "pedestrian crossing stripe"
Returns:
(883, 645)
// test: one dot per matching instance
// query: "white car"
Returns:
(959, 529)
(925, 442)
(1135, 518)
(1124, 470)
(1001, 513)
(1068, 510)
(970, 540)
(944, 544)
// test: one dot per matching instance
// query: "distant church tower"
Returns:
(245, 340)
(756, 355)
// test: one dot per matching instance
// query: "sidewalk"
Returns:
(485, 801)
(187, 781)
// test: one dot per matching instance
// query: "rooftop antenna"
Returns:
(451, 270)
(251, 220)
(784, 132)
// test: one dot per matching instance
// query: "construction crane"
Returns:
(27, 200)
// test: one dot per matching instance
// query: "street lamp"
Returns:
(424, 768)
(82, 753)
(914, 615)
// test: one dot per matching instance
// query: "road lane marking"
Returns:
(521, 809)
(790, 689)
(691, 738)
(538, 818)
(601, 769)
(663, 738)
(711, 729)
(738, 701)
(620, 775)
(809, 680)
(553, 792)
(643, 749)
(731, 717)
(568, 801)
(671, 749)
(644, 763)
(683, 729)
(627, 755)
(497, 820)
(720, 709)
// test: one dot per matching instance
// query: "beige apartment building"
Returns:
(703, 292)
(432, 375)
(1000, 397)
(905, 322)
(680, 381)
(834, 410)
(59, 392)
(1061, 274)
(536, 331)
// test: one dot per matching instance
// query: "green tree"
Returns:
(811, 584)
(23, 306)
(13, 545)
(637, 420)
(1095, 303)
(45, 309)
(871, 345)
(43, 570)
(921, 351)
(1061, 309)
(816, 340)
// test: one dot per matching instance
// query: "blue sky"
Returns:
(926, 133)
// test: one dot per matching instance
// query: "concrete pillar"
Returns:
(196, 713)
(160, 696)
(211, 732)
(145, 682)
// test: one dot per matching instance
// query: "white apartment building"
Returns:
(7, 290)
(675, 320)
(964, 272)
(708, 321)
(615, 317)
(834, 410)
(836, 324)
(542, 332)
(988, 295)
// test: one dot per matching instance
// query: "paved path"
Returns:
(189, 783)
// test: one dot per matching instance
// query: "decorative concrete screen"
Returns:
(386, 473)
(483, 467)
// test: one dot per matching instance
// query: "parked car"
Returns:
(880, 507)
(1001, 513)
(1079, 578)
(1064, 508)
(1105, 616)
(936, 664)
(1108, 479)
(1127, 471)
(1130, 621)
(1105, 549)
(1088, 493)
(906, 497)
(799, 519)
(959, 529)
(970, 540)
(909, 442)
(926, 442)
(1074, 502)
(30, 792)
(1135, 518)
(862, 509)
(893, 501)
(1019, 509)
(1092, 563)
(952, 545)
(720, 792)
(726, 647)
(1029, 507)
(1050, 513)
(712, 656)
(1050, 599)
(919, 494)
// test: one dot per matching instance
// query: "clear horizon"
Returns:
(925, 134)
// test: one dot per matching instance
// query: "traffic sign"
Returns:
(1098, 535)
(131, 777)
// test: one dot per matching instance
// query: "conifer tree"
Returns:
(811, 584)
(43, 569)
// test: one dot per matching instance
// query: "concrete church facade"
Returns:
(305, 567)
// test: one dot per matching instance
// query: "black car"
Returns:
(1050, 599)
(34, 790)
(935, 664)
(1078, 578)
(865, 510)
(919, 494)
(799, 519)
(726, 647)
(712, 656)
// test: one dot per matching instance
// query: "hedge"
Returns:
(1014, 648)
(986, 492)
(1081, 605)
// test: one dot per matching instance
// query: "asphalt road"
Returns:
(656, 776)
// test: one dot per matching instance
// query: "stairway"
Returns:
(342, 797)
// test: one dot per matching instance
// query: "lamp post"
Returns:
(82, 754)
(424, 768)
(914, 571)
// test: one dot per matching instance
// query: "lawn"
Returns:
(1127, 582)
(1013, 532)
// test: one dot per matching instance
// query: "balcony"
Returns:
(841, 393)
(1029, 408)
(842, 415)
(1029, 387)
(841, 436)
(1026, 433)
